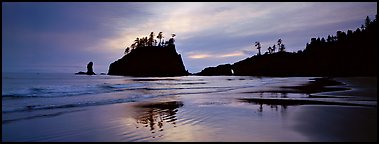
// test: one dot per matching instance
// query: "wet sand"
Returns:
(220, 116)
(337, 123)
(152, 122)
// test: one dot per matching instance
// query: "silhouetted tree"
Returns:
(341, 35)
(145, 41)
(127, 50)
(136, 42)
(367, 21)
(349, 33)
(269, 50)
(172, 40)
(160, 36)
(279, 43)
(273, 48)
(358, 30)
(133, 46)
(151, 39)
(313, 40)
(282, 48)
(258, 45)
(323, 41)
(329, 39)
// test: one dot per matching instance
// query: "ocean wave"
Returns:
(130, 98)
(5, 121)
(68, 90)
(70, 105)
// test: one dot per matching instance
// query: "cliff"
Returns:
(156, 61)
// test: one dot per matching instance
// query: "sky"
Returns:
(64, 37)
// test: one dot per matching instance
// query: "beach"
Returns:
(217, 114)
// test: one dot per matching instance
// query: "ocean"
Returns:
(33, 96)
(31, 92)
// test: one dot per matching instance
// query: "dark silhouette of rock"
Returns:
(89, 70)
(157, 61)
(346, 54)
(225, 69)
(81, 72)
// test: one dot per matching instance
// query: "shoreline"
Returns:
(219, 116)
(166, 121)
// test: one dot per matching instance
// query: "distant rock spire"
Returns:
(90, 69)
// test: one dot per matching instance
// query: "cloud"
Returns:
(208, 33)
(235, 54)
(232, 27)
(188, 20)
(199, 56)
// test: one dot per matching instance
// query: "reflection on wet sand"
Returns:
(280, 96)
(156, 114)
(315, 85)
(282, 108)
(287, 102)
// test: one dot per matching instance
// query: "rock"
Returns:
(81, 72)
(150, 61)
(89, 70)
(225, 69)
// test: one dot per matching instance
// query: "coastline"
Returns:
(199, 117)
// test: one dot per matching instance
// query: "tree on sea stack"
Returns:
(172, 40)
(136, 43)
(160, 36)
(258, 45)
(281, 46)
(269, 50)
(127, 50)
(151, 39)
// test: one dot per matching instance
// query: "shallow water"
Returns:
(188, 108)
(26, 92)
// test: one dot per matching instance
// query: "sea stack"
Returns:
(89, 70)
(157, 61)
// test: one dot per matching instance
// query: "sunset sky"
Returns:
(64, 37)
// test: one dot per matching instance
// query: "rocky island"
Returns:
(147, 57)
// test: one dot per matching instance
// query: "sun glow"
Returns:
(199, 56)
